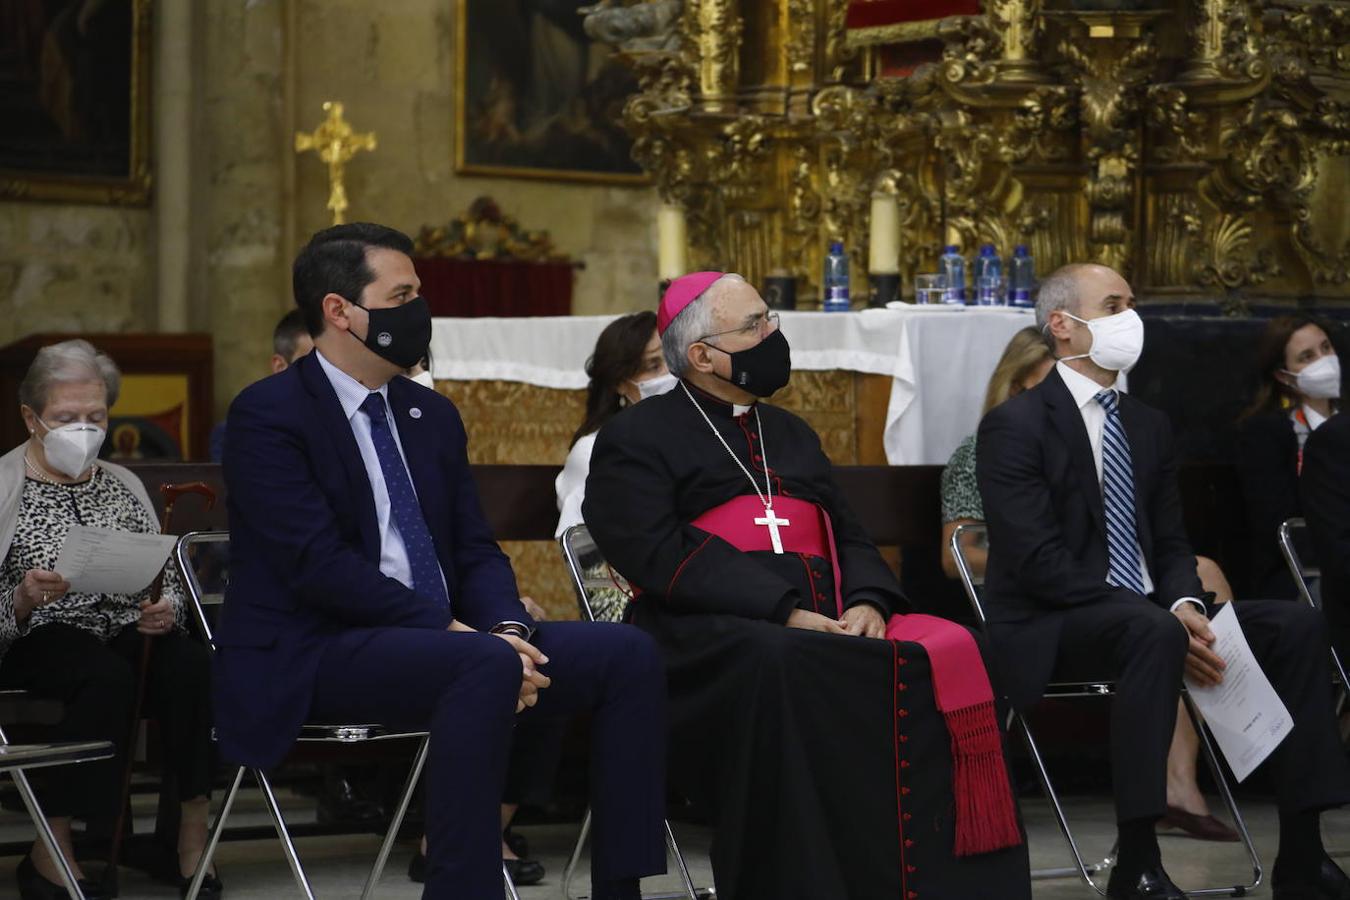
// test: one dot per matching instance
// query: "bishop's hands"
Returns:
(531, 658)
(862, 620)
(1203, 665)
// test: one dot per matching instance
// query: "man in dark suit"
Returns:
(1090, 574)
(366, 586)
(1325, 489)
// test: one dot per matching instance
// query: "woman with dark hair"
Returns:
(627, 366)
(1298, 389)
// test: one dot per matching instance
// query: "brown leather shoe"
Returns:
(1202, 828)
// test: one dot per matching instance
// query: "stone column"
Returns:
(173, 104)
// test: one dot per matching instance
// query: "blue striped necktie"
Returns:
(403, 505)
(1122, 536)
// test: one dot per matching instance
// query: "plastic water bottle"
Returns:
(1021, 276)
(835, 283)
(988, 277)
(952, 265)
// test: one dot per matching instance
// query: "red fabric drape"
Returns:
(470, 288)
(871, 13)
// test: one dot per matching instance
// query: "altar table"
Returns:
(934, 363)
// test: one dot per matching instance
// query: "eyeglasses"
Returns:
(765, 323)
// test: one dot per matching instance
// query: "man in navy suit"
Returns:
(1091, 575)
(365, 585)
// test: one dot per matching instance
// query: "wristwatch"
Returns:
(519, 629)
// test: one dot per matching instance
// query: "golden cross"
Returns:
(336, 143)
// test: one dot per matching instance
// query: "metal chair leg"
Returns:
(1083, 870)
(287, 845)
(1212, 761)
(510, 885)
(414, 775)
(570, 870)
(685, 881)
(213, 838)
(44, 829)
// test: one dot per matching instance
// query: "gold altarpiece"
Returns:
(1202, 148)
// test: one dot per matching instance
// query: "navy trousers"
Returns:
(462, 687)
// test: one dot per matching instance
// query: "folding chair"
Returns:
(583, 559)
(1289, 531)
(16, 759)
(1064, 690)
(331, 734)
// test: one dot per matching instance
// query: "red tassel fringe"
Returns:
(986, 815)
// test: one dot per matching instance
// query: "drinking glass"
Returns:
(929, 288)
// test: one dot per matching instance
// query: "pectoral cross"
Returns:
(336, 144)
(772, 521)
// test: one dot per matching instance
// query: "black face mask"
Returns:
(400, 334)
(763, 368)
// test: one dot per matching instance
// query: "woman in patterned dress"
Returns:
(84, 649)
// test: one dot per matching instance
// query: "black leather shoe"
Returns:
(524, 872)
(1153, 884)
(1332, 884)
(212, 887)
(33, 886)
(519, 846)
(341, 804)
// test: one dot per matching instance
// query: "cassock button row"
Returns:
(901, 713)
(909, 843)
(904, 764)
(900, 686)
(911, 869)
(905, 816)
(904, 739)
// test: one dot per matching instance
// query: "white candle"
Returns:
(883, 255)
(670, 245)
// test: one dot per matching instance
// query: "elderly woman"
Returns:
(84, 649)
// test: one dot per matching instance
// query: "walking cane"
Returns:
(171, 493)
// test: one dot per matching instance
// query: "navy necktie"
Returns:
(1122, 536)
(404, 508)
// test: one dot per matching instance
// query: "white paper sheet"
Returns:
(102, 561)
(1245, 715)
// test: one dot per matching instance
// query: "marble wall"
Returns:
(260, 71)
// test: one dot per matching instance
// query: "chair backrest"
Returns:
(969, 580)
(202, 560)
(590, 573)
(1293, 533)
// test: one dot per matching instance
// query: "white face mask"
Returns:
(71, 449)
(653, 386)
(424, 379)
(1319, 379)
(1117, 340)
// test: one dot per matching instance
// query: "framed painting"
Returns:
(536, 98)
(75, 100)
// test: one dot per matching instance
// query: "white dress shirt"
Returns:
(351, 394)
(1085, 391)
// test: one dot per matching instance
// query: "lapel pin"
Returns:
(415, 413)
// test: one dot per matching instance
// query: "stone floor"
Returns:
(254, 870)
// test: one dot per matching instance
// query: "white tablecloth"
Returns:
(939, 358)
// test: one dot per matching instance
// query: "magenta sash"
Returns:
(986, 814)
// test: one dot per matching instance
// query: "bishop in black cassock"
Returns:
(818, 746)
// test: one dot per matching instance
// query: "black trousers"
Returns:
(96, 683)
(1143, 648)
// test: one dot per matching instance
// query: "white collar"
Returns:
(350, 392)
(1315, 418)
(1083, 388)
(739, 410)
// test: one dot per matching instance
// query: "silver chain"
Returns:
(763, 452)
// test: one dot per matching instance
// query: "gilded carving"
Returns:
(1206, 153)
(717, 27)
